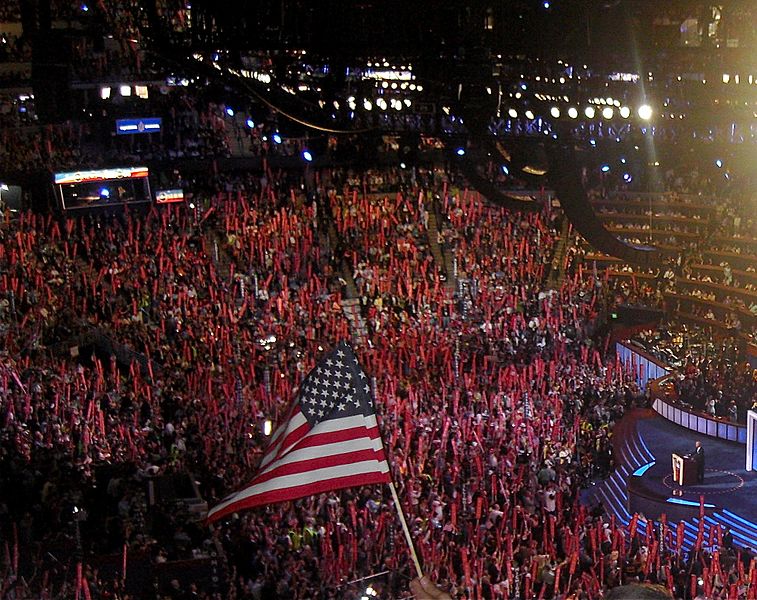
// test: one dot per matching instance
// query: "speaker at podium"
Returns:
(684, 469)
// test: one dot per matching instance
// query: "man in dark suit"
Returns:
(699, 457)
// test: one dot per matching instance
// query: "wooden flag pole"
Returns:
(406, 530)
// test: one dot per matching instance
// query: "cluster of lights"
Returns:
(141, 91)
(402, 86)
(369, 593)
(606, 109)
(727, 78)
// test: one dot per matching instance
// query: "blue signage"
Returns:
(132, 126)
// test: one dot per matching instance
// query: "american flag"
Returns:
(329, 440)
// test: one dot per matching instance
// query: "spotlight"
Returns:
(250, 123)
(276, 138)
(381, 103)
(645, 112)
(546, 4)
(403, 165)
(460, 151)
(627, 177)
(367, 104)
(625, 112)
(589, 112)
(605, 168)
(513, 113)
(267, 427)
(573, 112)
(607, 112)
(125, 90)
(104, 193)
(529, 115)
(229, 111)
(105, 93)
(555, 112)
(505, 170)
(307, 156)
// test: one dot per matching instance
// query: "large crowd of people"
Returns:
(158, 343)
(151, 346)
(145, 355)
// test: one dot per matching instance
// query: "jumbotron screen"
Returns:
(103, 188)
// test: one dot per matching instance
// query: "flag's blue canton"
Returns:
(336, 387)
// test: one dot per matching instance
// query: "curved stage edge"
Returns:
(652, 492)
(642, 481)
(699, 422)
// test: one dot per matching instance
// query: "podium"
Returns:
(684, 469)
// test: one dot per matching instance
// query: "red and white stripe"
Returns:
(334, 454)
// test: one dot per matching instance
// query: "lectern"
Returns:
(684, 469)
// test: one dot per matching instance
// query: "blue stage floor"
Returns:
(643, 442)
(727, 484)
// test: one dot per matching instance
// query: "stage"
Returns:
(643, 481)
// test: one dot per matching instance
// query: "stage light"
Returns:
(250, 123)
(460, 151)
(607, 112)
(573, 112)
(719, 163)
(555, 112)
(125, 90)
(513, 113)
(625, 112)
(84, 8)
(546, 4)
(105, 92)
(627, 177)
(276, 138)
(605, 168)
(407, 102)
(381, 103)
(645, 112)
(593, 143)
(529, 115)
(307, 156)
(229, 111)
(505, 170)
(267, 426)
(367, 104)
(403, 165)
(589, 112)
(104, 193)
